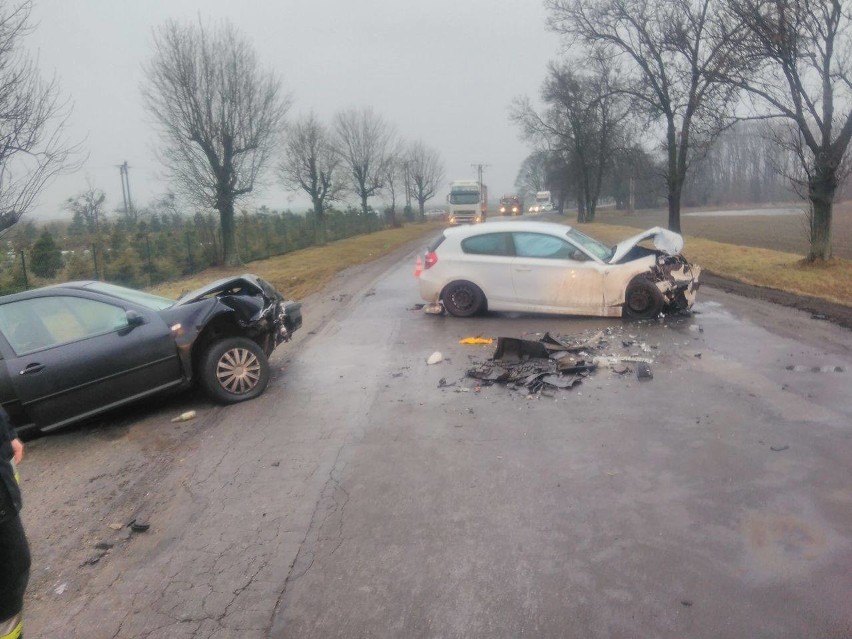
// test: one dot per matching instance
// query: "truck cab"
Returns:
(467, 202)
(511, 205)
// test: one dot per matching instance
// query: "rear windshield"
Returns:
(434, 245)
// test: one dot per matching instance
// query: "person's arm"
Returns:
(18, 448)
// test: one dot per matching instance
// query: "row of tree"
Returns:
(222, 117)
(156, 243)
(222, 120)
(688, 71)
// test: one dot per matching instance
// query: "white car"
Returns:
(544, 267)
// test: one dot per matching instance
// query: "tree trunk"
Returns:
(421, 204)
(674, 180)
(230, 254)
(319, 216)
(821, 188)
(366, 210)
(581, 209)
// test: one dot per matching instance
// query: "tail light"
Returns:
(431, 260)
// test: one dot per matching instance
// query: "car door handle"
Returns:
(32, 368)
(523, 269)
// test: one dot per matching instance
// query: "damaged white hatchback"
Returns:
(552, 268)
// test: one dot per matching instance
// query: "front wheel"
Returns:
(642, 300)
(234, 369)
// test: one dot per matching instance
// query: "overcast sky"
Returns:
(443, 71)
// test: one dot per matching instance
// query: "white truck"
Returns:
(467, 202)
(542, 202)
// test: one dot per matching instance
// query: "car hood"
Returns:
(668, 242)
(245, 284)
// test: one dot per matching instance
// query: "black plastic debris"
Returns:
(643, 371)
(512, 348)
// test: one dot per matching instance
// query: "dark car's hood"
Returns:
(244, 284)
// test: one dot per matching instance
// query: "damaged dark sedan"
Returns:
(73, 350)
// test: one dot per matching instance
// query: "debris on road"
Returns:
(778, 449)
(184, 417)
(558, 362)
(435, 358)
(116, 526)
(476, 340)
(139, 523)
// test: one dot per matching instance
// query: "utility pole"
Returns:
(480, 170)
(125, 187)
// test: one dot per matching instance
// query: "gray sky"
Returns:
(443, 71)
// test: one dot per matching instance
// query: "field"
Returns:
(786, 233)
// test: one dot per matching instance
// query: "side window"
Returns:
(542, 246)
(42, 322)
(487, 244)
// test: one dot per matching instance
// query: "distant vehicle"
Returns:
(530, 266)
(511, 205)
(542, 203)
(468, 202)
(435, 214)
(74, 350)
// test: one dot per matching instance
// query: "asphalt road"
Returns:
(357, 499)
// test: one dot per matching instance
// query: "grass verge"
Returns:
(831, 281)
(307, 271)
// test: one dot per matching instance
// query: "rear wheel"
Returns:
(463, 299)
(234, 369)
(642, 300)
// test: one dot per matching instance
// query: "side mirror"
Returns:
(134, 318)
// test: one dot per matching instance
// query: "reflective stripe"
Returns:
(12, 628)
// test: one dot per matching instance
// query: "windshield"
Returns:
(592, 246)
(147, 300)
(542, 198)
(464, 198)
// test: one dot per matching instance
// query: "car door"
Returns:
(550, 273)
(68, 355)
(486, 261)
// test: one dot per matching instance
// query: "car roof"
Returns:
(523, 226)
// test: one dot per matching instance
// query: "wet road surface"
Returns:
(358, 499)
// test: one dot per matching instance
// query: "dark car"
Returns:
(77, 349)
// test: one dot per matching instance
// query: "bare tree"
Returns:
(800, 55)
(582, 125)
(425, 172)
(675, 50)
(364, 141)
(33, 146)
(311, 164)
(220, 115)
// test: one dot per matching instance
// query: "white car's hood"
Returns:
(668, 242)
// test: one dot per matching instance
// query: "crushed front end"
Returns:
(678, 281)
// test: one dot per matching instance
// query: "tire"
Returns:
(233, 370)
(642, 300)
(463, 299)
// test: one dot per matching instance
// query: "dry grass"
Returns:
(307, 271)
(831, 281)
